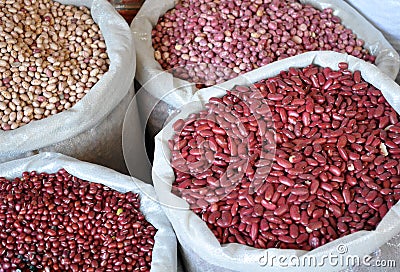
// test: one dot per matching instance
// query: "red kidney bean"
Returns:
(268, 205)
(58, 238)
(318, 213)
(346, 195)
(286, 239)
(342, 227)
(337, 196)
(378, 202)
(343, 153)
(302, 238)
(284, 163)
(286, 181)
(200, 50)
(326, 186)
(371, 196)
(281, 210)
(295, 212)
(279, 232)
(324, 181)
(299, 191)
(315, 225)
(335, 170)
(314, 187)
(294, 231)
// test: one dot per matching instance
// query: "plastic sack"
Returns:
(385, 16)
(164, 251)
(91, 129)
(201, 248)
(163, 92)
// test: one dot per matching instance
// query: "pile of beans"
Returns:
(50, 57)
(295, 161)
(209, 41)
(58, 222)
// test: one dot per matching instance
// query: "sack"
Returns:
(383, 16)
(201, 248)
(163, 93)
(164, 251)
(91, 130)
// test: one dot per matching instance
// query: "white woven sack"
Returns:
(148, 68)
(202, 250)
(91, 129)
(165, 249)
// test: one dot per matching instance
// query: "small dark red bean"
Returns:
(86, 225)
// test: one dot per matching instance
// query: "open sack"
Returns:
(92, 129)
(164, 251)
(162, 93)
(201, 249)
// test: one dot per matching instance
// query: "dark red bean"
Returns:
(284, 163)
(279, 232)
(371, 196)
(326, 186)
(295, 212)
(281, 210)
(335, 170)
(287, 181)
(302, 238)
(268, 205)
(178, 125)
(342, 227)
(294, 231)
(335, 210)
(299, 191)
(347, 195)
(315, 225)
(286, 239)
